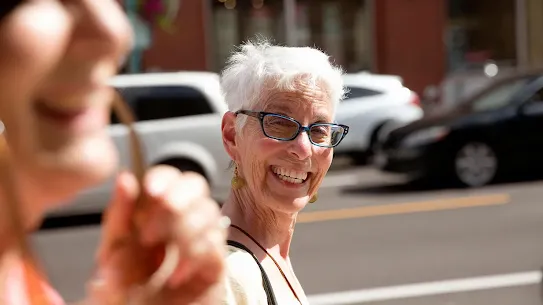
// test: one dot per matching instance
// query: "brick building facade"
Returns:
(410, 38)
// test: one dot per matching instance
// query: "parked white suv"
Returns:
(374, 105)
(179, 121)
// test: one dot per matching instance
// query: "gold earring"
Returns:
(237, 182)
(314, 198)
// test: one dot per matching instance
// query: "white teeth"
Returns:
(289, 179)
(290, 175)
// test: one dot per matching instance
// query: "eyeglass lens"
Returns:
(284, 129)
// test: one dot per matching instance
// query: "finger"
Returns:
(197, 234)
(159, 179)
(116, 222)
(166, 212)
(188, 187)
(157, 182)
(204, 262)
(210, 256)
(193, 293)
(202, 214)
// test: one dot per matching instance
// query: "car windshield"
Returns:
(497, 97)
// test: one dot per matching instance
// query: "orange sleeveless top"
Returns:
(26, 285)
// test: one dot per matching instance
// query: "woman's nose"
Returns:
(301, 147)
(101, 29)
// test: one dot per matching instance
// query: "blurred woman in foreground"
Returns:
(55, 59)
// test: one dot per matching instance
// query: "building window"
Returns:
(340, 28)
(479, 31)
(238, 21)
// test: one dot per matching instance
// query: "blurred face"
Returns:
(55, 59)
(284, 174)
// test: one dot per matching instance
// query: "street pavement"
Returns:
(370, 231)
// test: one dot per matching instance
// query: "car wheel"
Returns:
(185, 165)
(368, 156)
(475, 164)
(376, 136)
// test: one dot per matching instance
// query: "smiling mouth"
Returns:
(290, 175)
(73, 120)
(59, 115)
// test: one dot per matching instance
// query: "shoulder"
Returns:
(240, 260)
(243, 279)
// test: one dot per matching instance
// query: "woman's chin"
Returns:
(301, 203)
(291, 205)
(62, 177)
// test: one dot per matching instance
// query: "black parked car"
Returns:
(498, 130)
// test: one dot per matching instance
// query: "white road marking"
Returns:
(427, 289)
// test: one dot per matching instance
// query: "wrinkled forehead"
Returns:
(298, 96)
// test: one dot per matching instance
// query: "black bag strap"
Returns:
(267, 284)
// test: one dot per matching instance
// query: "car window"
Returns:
(534, 104)
(358, 92)
(164, 102)
(537, 97)
(498, 97)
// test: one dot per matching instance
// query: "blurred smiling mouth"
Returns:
(72, 118)
(59, 113)
(290, 175)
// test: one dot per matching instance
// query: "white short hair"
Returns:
(257, 64)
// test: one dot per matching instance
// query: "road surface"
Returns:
(386, 243)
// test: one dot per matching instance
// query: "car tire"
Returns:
(475, 164)
(365, 158)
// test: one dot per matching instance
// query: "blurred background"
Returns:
(433, 197)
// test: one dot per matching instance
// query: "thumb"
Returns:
(116, 223)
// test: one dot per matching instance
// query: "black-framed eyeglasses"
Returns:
(284, 128)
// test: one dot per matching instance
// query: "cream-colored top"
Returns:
(244, 285)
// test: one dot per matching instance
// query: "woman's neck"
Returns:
(29, 221)
(272, 229)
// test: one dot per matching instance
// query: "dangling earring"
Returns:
(314, 198)
(237, 181)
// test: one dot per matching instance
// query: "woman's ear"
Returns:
(228, 128)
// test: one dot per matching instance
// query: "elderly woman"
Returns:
(55, 59)
(280, 135)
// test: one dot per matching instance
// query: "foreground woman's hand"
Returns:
(177, 208)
